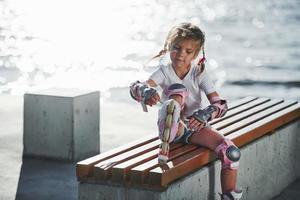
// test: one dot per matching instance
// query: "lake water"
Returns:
(252, 46)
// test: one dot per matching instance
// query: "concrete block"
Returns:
(62, 124)
(267, 166)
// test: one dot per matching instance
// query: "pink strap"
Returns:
(182, 92)
(221, 105)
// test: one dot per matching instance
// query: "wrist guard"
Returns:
(141, 92)
(221, 105)
(204, 115)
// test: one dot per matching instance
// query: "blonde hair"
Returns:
(185, 31)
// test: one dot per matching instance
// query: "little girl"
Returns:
(180, 117)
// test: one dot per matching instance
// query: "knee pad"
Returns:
(229, 154)
(177, 89)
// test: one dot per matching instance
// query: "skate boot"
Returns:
(168, 121)
(233, 195)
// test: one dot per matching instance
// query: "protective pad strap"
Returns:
(229, 154)
(221, 105)
(232, 195)
(205, 115)
(177, 89)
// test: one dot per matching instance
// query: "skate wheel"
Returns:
(171, 107)
(165, 148)
(169, 119)
(166, 135)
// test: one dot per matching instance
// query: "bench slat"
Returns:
(119, 171)
(256, 117)
(240, 102)
(264, 105)
(102, 169)
(284, 113)
(161, 176)
(139, 173)
(85, 168)
(266, 125)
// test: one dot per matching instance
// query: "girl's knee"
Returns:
(178, 92)
(229, 154)
(214, 137)
(177, 98)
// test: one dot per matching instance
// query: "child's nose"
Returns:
(180, 53)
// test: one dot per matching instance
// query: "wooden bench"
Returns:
(135, 165)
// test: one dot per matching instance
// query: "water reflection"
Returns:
(93, 45)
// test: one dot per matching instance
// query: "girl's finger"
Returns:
(192, 123)
(200, 126)
(195, 124)
(154, 100)
(156, 97)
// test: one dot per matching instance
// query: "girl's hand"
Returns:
(153, 100)
(195, 125)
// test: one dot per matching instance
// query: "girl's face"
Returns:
(183, 53)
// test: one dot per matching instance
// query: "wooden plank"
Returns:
(124, 165)
(266, 125)
(175, 169)
(102, 169)
(240, 102)
(119, 172)
(85, 168)
(247, 113)
(278, 116)
(254, 118)
(139, 173)
(240, 109)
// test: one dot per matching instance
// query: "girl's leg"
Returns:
(168, 125)
(211, 139)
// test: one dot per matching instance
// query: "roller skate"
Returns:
(233, 195)
(168, 121)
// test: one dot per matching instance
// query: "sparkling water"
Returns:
(252, 46)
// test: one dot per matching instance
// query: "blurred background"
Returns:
(252, 47)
